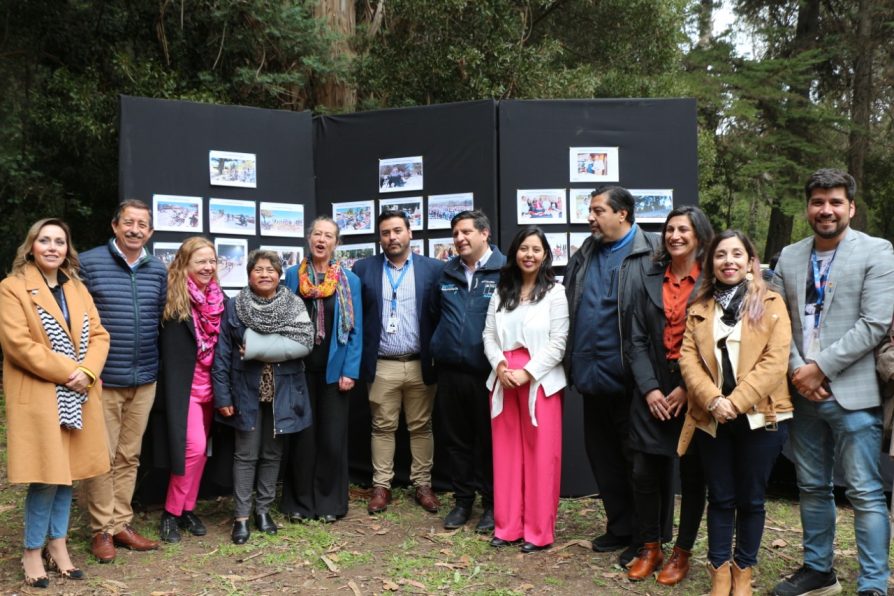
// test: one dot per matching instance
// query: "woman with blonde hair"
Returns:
(54, 349)
(187, 340)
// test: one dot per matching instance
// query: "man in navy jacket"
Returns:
(461, 298)
(397, 358)
(129, 287)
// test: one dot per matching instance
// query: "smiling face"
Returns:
(829, 212)
(394, 237)
(132, 230)
(530, 256)
(680, 240)
(263, 279)
(50, 248)
(470, 242)
(323, 240)
(731, 261)
(202, 266)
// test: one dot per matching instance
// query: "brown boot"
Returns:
(647, 561)
(741, 581)
(721, 580)
(676, 569)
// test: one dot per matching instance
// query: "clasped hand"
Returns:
(511, 378)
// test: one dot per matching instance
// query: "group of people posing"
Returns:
(679, 348)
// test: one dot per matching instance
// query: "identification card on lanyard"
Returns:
(391, 325)
(820, 283)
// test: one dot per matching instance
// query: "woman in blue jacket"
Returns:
(316, 468)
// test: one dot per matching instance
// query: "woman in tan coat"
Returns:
(54, 349)
(734, 361)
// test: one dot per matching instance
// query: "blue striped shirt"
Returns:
(406, 339)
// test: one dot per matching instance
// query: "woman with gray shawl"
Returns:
(259, 384)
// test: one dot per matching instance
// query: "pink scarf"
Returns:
(207, 307)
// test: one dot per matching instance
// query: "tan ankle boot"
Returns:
(741, 581)
(646, 562)
(676, 569)
(721, 580)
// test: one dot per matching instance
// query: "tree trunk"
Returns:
(705, 23)
(779, 232)
(861, 100)
(331, 93)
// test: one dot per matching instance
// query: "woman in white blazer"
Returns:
(524, 341)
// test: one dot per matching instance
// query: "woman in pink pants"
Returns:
(524, 340)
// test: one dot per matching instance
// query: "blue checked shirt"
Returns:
(406, 339)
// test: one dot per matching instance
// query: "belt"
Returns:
(673, 366)
(401, 357)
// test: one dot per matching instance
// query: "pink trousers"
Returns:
(183, 491)
(527, 462)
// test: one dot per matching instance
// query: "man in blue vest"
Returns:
(461, 298)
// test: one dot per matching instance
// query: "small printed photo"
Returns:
(652, 205)
(541, 206)
(354, 218)
(593, 164)
(442, 208)
(418, 247)
(230, 216)
(231, 258)
(558, 243)
(288, 256)
(442, 249)
(282, 219)
(412, 206)
(579, 209)
(165, 251)
(173, 213)
(576, 240)
(398, 174)
(228, 168)
(349, 254)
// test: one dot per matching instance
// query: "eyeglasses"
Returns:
(203, 262)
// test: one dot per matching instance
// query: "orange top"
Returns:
(675, 294)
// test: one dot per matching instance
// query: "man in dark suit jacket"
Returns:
(398, 323)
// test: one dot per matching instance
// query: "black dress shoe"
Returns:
(190, 522)
(297, 518)
(530, 547)
(457, 517)
(628, 554)
(499, 542)
(167, 530)
(486, 523)
(609, 542)
(328, 518)
(240, 531)
(265, 523)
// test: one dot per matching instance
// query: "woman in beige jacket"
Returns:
(734, 361)
(54, 349)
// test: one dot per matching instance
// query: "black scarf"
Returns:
(730, 299)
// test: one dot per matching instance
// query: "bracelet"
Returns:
(714, 403)
(87, 372)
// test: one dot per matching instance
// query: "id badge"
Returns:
(392, 325)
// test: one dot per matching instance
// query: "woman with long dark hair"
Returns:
(524, 340)
(734, 362)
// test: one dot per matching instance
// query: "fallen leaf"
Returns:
(390, 585)
(779, 543)
(329, 563)
(354, 588)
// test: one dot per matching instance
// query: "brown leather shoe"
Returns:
(646, 562)
(102, 547)
(379, 501)
(676, 569)
(426, 497)
(128, 538)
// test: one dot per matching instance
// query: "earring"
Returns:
(749, 276)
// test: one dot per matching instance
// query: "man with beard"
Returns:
(398, 323)
(129, 287)
(838, 286)
(598, 279)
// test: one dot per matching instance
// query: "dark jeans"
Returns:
(465, 406)
(607, 441)
(737, 466)
(256, 460)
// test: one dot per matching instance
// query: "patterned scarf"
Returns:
(336, 281)
(68, 402)
(730, 299)
(284, 314)
(207, 307)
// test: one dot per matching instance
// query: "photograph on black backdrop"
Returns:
(288, 255)
(575, 241)
(652, 205)
(349, 254)
(442, 249)
(282, 219)
(541, 206)
(558, 243)
(231, 255)
(417, 246)
(593, 164)
(412, 206)
(228, 168)
(232, 216)
(355, 217)
(579, 208)
(442, 208)
(398, 174)
(165, 251)
(174, 213)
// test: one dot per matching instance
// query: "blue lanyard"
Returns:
(819, 282)
(400, 279)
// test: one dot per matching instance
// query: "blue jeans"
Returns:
(47, 508)
(738, 463)
(824, 433)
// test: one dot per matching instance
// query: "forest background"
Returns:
(812, 86)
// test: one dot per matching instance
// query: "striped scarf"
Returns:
(68, 402)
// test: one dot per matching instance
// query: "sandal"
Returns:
(50, 564)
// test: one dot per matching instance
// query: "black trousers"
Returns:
(315, 479)
(607, 441)
(464, 403)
